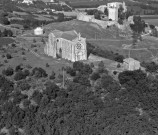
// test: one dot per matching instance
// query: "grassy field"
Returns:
(152, 21)
(5, 41)
(87, 29)
(144, 51)
(34, 57)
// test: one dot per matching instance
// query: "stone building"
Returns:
(28, 2)
(68, 45)
(113, 9)
(38, 31)
(131, 64)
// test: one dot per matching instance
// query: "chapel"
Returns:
(66, 44)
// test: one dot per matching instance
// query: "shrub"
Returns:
(5, 61)
(26, 102)
(39, 72)
(23, 85)
(18, 68)
(95, 76)
(34, 40)
(52, 77)
(115, 72)
(47, 65)
(26, 72)
(8, 56)
(19, 75)
(118, 65)
(8, 72)
(70, 71)
(23, 53)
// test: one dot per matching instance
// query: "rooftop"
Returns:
(69, 35)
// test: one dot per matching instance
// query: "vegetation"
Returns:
(82, 108)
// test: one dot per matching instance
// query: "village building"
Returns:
(28, 2)
(38, 31)
(68, 45)
(131, 64)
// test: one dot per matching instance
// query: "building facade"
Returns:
(131, 64)
(68, 45)
(113, 9)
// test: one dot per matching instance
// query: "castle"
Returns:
(112, 14)
(68, 45)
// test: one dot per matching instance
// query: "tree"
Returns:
(106, 12)
(39, 72)
(136, 76)
(78, 66)
(95, 76)
(97, 15)
(70, 71)
(101, 67)
(8, 72)
(8, 56)
(138, 27)
(10, 33)
(82, 79)
(60, 17)
(52, 76)
(19, 76)
(5, 33)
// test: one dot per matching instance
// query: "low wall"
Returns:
(90, 18)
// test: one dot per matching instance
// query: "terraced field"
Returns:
(5, 41)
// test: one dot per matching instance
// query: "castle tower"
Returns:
(113, 14)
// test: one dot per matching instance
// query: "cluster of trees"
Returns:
(6, 33)
(104, 53)
(30, 23)
(106, 108)
(138, 27)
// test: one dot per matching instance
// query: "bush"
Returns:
(39, 72)
(5, 61)
(47, 65)
(115, 72)
(34, 40)
(70, 71)
(23, 85)
(8, 72)
(23, 53)
(26, 102)
(18, 68)
(19, 76)
(52, 77)
(95, 76)
(8, 56)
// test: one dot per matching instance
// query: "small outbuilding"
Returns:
(131, 64)
(38, 31)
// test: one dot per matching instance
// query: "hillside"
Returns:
(87, 29)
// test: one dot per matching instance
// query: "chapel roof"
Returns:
(69, 35)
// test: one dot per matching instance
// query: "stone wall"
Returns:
(90, 18)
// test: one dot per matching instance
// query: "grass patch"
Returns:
(5, 41)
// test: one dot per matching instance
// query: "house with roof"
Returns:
(28, 2)
(66, 44)
(131, 64)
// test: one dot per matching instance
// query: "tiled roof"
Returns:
(128, 60)
(69, 35)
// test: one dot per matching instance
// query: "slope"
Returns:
(87, 29)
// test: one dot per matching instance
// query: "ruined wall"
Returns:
(89, 18)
